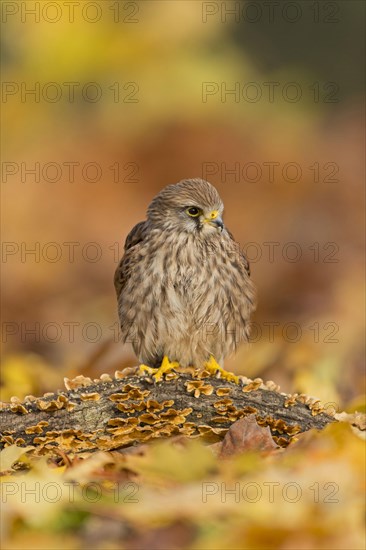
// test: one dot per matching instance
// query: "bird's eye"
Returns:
(193, 211)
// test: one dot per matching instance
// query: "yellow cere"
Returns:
(212, 216)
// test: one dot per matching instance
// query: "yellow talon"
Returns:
(166, 366)
(213, 367)
(145, 368)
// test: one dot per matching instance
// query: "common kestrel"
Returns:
(183, 285)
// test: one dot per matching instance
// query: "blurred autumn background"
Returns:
(107, 102)
(141, 98)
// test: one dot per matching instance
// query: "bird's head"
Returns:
(191, 205)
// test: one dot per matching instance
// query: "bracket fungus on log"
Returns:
(130, 409)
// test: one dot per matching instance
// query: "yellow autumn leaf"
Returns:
(12, 454)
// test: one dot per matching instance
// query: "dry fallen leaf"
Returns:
(12, 454)
(246, 435)
(357, 421)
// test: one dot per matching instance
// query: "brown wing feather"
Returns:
(242, 256)
(122, 272)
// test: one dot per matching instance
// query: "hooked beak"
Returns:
(214, 220)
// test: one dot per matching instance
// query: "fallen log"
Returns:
(131, 409)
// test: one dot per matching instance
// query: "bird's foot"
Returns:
(213, 367)
(166, 366)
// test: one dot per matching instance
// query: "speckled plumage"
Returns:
(183, 286)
